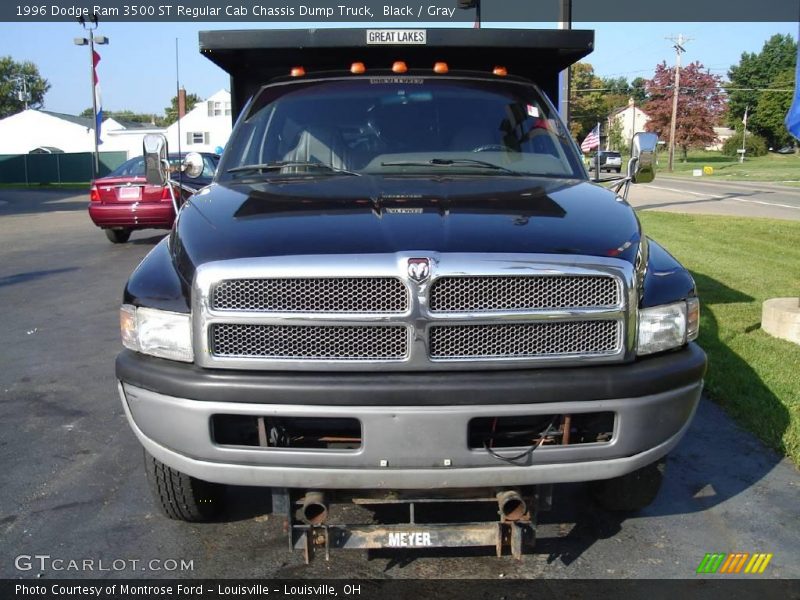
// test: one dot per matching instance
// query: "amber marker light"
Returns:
(297, 72)
(358, 68)
(441, 68)
(399, 67)
(500, 71)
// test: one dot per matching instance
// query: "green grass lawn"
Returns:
(772, 167)
(737, 264)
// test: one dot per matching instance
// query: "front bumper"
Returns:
(414, 425)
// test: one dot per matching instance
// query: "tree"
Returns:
(771, 108)
(755, 145)
(587, 103)
(639, 90)
(12, 74)
(171, 111)
(126, 115)
(700, 105)
(754, 72)
(615, 141)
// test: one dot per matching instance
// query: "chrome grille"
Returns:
(331, 294)
(368, 313)
(524, 340)
(483, 294)
(300, 342)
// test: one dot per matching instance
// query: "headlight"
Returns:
(157, 332)
(668, 326)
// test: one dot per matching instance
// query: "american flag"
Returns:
(97, 99)
(592, 140)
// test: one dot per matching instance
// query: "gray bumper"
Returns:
(414, 442)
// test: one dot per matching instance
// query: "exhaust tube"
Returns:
(314, 509)
(512, 506)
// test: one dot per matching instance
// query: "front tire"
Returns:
(181, 497)
(118, 236)
(631, 492)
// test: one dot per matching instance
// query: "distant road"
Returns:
(740, 199)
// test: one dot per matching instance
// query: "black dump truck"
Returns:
(403, 288)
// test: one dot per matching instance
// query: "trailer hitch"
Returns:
(515, 527)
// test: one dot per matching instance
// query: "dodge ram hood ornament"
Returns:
(419, 269)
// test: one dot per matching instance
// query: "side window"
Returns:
(197, 137)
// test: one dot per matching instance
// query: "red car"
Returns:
(121, 201)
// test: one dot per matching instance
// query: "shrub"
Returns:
(755, 145)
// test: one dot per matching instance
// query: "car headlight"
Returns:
(668, 326)
(157, 332)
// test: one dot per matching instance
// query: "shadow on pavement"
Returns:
(32, 275)
(712, 198)
(35, 200)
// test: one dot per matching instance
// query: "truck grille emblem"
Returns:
(419, 269)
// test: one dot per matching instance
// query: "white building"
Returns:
(722, 133)
(204, 128)
(31, 129)
(125, 136)
(632, 118)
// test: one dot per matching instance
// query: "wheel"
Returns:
(180, 496)
(118, 236)
(630, 492)
(619, 170)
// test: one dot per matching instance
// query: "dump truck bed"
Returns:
(254, 57)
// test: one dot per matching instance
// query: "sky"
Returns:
(137, 68)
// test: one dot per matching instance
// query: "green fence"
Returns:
(71, 167)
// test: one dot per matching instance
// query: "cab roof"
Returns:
(255, 57)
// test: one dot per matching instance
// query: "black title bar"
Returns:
(373, 11)
(734, 588)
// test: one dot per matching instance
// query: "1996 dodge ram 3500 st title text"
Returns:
(403, 286)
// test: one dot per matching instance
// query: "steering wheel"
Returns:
(491, 148)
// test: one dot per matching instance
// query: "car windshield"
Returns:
(135, 166)
(399, 126)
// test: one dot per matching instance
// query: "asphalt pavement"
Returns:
(73, 485)
(713, 197)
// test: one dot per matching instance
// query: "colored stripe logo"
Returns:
(735, 563)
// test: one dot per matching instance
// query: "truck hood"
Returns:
(340, 214)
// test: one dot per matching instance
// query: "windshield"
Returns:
(399, 125)
(135, 166)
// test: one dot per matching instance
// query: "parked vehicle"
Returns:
(122, 201)
(403, 284)
(609, 161)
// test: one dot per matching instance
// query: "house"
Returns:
(125, 136)
(632, 119)
(33, 129)
(722, 133)
(204, 128)
(30, 129)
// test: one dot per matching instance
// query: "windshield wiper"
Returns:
(280, 164)
(449, 162)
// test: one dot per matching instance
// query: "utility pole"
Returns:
(91, 41)
(744, 135)
(563, 77)
(22, 89)
(679, 43)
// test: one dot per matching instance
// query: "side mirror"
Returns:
(193, 165)
(156, 166)
(643, 158)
